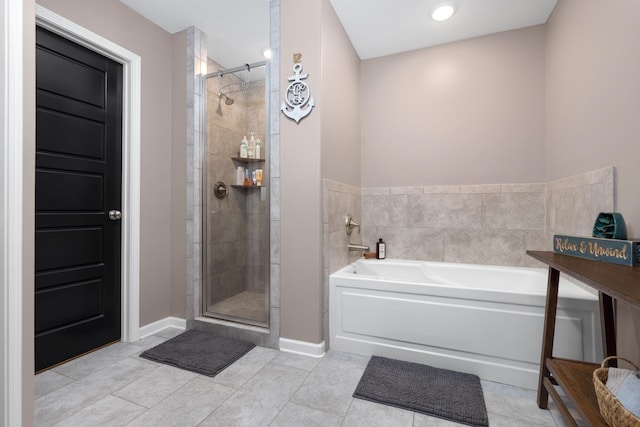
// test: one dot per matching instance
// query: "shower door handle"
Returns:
(115, 215)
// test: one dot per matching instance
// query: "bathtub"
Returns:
(485, 320)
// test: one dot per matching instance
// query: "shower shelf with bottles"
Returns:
(247, 161)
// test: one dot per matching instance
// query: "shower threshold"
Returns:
(245, 307)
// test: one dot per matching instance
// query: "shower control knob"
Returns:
(115, 215)
(220, 190)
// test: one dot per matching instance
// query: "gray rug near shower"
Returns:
(199, 351)
(442, 393)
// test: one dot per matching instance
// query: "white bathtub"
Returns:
(485, 320)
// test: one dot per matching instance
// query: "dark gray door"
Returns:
(78, 182)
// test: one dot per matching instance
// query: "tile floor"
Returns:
(246, 305)
(114, 387)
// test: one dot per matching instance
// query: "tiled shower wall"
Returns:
(236, 227)
(196, 66)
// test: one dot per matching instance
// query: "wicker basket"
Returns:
(611, 409)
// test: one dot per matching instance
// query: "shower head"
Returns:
(227, 100)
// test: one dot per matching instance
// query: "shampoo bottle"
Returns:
(381, 249)
(258, 149)
(252, 147)
(244, 146)
(240, 175)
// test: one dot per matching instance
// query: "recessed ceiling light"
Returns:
(443, 11)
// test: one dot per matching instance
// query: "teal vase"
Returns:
(610, 225)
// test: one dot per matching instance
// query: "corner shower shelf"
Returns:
(247, 160)
(248, 186)
(575, 377)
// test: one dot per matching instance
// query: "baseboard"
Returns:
(302, 347)
(157, 326)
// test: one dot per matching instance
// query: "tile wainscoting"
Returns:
(339, 200)
(479, 224)
(573, 203)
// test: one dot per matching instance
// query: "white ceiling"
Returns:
(383, 27)
(238, 30)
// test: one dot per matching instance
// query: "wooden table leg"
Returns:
(548, 334)
(608, 326)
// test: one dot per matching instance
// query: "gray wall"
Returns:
(178, 176)
(340, 127)
(326, 144)
(593, 108)
(300, 166)
(592, 95)
(470, 112)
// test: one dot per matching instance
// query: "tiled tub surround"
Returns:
(338, 200)
(573, 203)
(483, 224)
(478, 224)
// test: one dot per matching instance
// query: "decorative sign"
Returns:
(298, 101)
(624, 252)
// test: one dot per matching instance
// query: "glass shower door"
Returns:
(236, 223)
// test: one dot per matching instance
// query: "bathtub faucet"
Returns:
(350, 224)
(354, 247)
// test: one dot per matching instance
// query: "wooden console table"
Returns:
(575, 377)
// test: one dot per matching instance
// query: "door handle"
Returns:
(115, 215)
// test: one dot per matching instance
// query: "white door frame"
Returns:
(131, 68)
(11, 158)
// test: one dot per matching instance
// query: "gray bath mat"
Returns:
(198, 351)
(442, 393)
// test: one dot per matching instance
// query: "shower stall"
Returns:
(235, 201)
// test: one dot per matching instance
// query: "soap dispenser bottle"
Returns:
(244, 147)
(258, 149)
(381, 249)
(252, 147)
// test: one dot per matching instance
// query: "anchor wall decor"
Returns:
(298, 101)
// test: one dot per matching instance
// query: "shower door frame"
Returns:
(205, 206)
